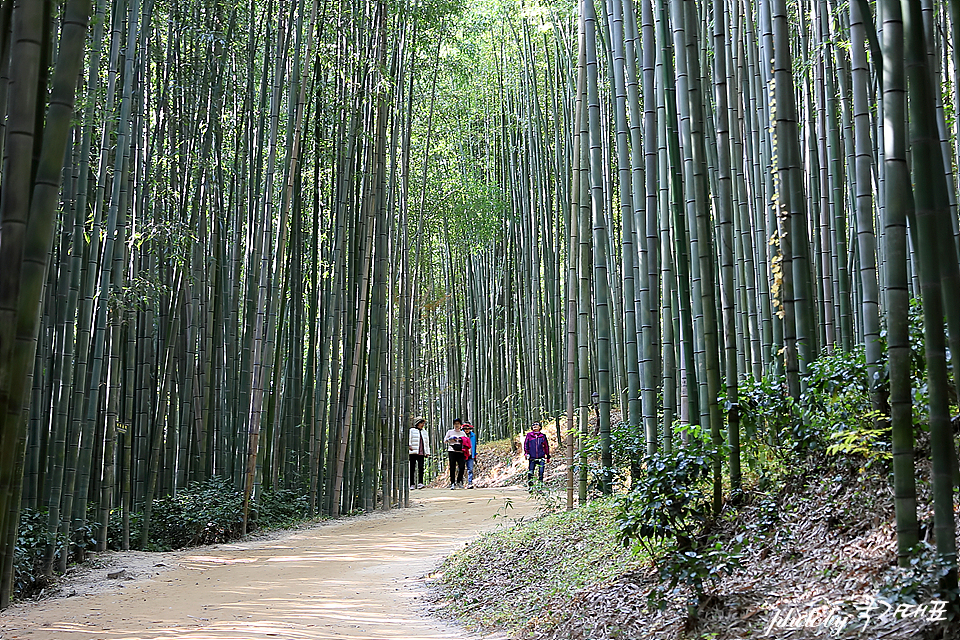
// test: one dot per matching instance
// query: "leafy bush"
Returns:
(627, 445)
(204, 512)
(670, 503)
(837, 389)
(115, 529)
(84, 538)
(667, 503)
(280, 507)
(872, 444)
(834, 412)
(766, 410)
(33, 538)
(32, 541)
(208, 512)
(836, 403)
(922, 581)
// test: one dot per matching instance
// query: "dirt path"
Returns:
(352, 578)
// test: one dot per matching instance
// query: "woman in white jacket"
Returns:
(419, 445)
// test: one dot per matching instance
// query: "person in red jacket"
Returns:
(454, 441)
(472, 458)
(536, 449)
(467, 441)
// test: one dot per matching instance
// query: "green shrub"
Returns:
(627, 445)
(670, 503)
(207, 512)
(837, 408)
(32, 541)
(837, 394)
(115, 529)
(834, 412)
(280, 507)
(766, 410)
(922, 581)
(872, 444)
(204, 512)
(84, 538)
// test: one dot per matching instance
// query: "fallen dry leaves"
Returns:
(830, 550)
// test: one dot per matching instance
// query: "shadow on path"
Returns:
(352, 578)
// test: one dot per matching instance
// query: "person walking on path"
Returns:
(454, 441)
(536, 449)
(419, 445)
(472, 458)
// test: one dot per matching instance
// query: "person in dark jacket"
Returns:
(536, 449)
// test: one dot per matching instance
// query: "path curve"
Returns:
(355, 578)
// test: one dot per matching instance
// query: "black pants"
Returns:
(457, 465)
(536, 464)
(416, 468)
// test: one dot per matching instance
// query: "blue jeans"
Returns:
(470, 470)
(537, 464)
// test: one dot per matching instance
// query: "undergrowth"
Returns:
(813, 519)
(516, 574)
(206, 512)
(209, 512)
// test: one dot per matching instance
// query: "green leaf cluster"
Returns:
(209, 512)
(766, 409)
(32, 540)
(920, 582)
(670, 504)
(205, 512)
(280, 508)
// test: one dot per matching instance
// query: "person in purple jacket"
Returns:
(536, 449)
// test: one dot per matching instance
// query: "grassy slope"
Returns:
(819, 535)
(526, 574)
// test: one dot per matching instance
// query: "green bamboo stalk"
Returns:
(866, 239)
(724, 202)
(690, 408)
(601, 286)
(898, 200)
(627, 215)
(932, 219)
(16, 371)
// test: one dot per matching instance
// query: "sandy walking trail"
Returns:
(352, 578)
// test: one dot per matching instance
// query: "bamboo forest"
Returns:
(245, 243)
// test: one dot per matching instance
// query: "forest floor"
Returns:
(358, 577)
(816, 561)
(815, 539)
